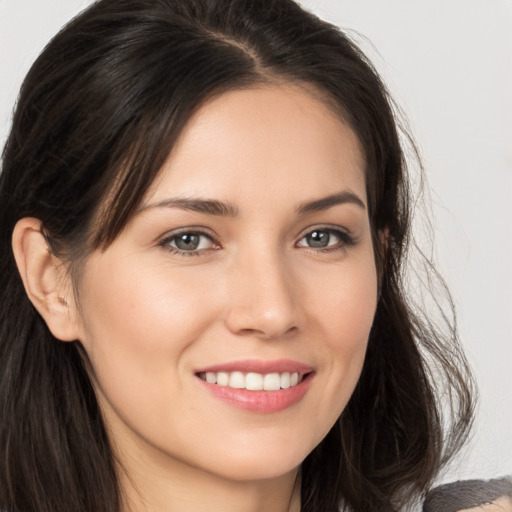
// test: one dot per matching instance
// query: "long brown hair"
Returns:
(97, 115)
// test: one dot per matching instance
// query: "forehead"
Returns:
(263, 142)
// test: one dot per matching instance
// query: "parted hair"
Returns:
(97, 115)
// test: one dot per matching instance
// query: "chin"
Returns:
(259, 463)
(247, 470)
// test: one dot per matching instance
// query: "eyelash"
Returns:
(166, 242)
(345, 240)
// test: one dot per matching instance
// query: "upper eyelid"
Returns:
(326, 227)
(196, 230)
(166, 243)
(346, 238)
(166, 240)
(202, 230)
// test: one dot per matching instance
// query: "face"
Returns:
(227, 325)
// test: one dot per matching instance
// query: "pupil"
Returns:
(318, 239)
(187, 242)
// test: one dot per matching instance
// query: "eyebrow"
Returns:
(346, 196)
(209, 206)
(223, 209)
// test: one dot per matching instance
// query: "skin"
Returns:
(149, 317)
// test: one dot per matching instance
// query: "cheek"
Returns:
(138, 324)
(344, 303)
(137, 330)
(140, 305)
(344, 314)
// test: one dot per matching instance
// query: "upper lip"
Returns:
(259, 366)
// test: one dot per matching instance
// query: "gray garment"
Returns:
(467, 494)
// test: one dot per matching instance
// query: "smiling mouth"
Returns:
(254, 381)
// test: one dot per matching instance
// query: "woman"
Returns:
(202, 306)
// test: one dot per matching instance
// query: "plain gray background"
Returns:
(448, 64)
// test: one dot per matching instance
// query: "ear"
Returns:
(46, 279)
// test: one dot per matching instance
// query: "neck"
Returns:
(149, 486)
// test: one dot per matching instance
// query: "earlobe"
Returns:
(46, 279)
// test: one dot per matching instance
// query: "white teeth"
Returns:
(237, 380)
(253, 381)
(222, 378)
(211, 377)
(272, 382)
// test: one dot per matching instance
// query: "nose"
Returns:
(262, 298)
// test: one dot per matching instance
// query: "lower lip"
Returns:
(260, 401)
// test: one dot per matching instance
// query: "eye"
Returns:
(188, 242)
(325, 238)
